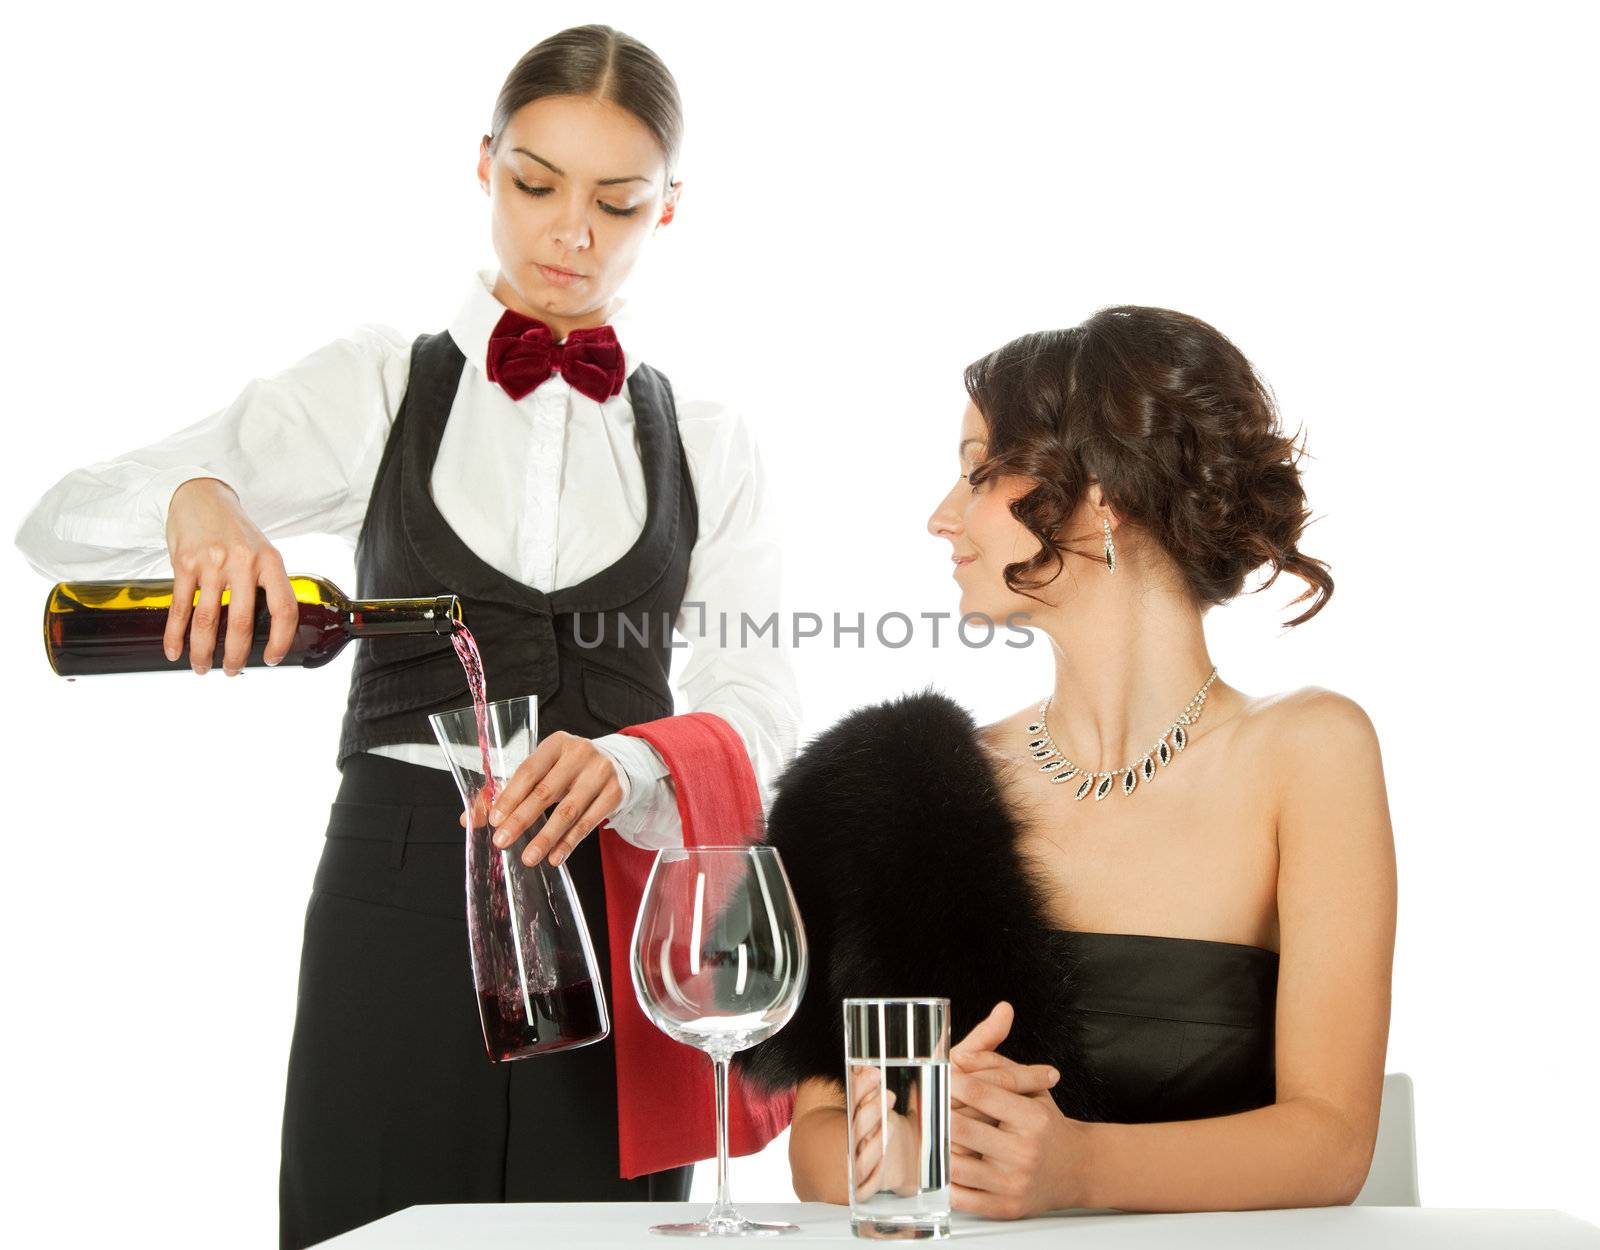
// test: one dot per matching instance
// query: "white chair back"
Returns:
(1392, 1179)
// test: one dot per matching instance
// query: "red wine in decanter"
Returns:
(519, 1027)
(118, 627)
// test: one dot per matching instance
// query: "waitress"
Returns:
(529, 461)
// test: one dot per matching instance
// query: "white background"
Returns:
(1386, 206)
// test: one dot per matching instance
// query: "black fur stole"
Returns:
(902, 854)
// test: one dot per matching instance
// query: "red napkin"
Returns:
(665, 1115)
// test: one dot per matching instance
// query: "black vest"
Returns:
(578, 649)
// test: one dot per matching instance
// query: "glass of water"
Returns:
(897, 1095)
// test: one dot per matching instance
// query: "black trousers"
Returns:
(391, 1098)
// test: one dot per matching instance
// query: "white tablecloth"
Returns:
(556, 1225)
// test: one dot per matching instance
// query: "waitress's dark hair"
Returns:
(602, 62)
(1176, 426)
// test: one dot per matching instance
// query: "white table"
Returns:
(557, 1225)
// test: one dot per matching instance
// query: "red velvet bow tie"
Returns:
(524, 352)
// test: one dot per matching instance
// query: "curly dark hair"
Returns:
(1173, 422)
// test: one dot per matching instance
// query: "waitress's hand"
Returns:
(571, 773)
(214, 547)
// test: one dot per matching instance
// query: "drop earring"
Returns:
(1111, 550)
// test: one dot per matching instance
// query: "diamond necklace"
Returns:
(1043, 748)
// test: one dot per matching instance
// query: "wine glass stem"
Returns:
(724, 1207)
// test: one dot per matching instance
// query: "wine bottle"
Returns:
(119, 627)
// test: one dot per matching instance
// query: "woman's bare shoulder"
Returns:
(1308, 716)
(1324, 753)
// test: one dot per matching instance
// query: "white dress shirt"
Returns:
(548, 489)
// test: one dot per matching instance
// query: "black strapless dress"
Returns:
(1173, 1028)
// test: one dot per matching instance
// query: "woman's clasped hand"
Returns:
(568, 776)
(1012, 1152)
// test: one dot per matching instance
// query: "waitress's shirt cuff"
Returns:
(648, 814)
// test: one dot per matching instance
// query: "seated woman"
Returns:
(1162, 909)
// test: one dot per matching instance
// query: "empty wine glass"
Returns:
(719, 963)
